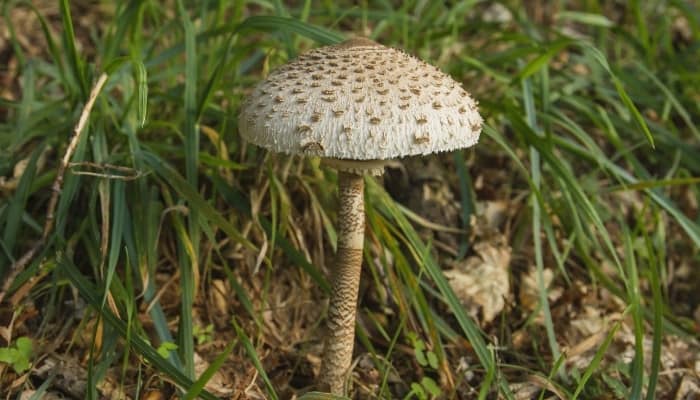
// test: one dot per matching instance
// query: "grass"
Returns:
(590, 111)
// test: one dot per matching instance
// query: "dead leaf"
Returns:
(217, 384)
(10, 184)
(529, 290)
(49, 395)
(481, 281)
(219, 293)
(688, 389)
(524, 390)
(497, 13)
(494, 213)
(153, 395)
(589, 321)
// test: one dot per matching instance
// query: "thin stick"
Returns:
(21, 264)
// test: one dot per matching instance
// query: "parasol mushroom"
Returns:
(356, 105)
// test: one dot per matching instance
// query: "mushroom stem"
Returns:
(337, 354)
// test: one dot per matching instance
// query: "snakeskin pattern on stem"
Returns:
(337, 355)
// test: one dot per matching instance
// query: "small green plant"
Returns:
(165, 348)
(203, 334)
(17, 356)
(427, 387)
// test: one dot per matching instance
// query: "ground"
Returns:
(254, 302)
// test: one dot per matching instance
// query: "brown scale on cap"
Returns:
(421, 138)
(303, 129)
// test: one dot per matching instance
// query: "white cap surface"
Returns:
(359, 100)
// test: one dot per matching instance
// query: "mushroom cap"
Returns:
(359, 100)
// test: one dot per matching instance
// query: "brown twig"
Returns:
(20, 265)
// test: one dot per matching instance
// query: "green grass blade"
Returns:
(141, 79)
(535, 171)
(595, 363)
(119, 216)
(16, 209)
(654, 266)
(74, 60)
(586, 18)
(253, 355)
(292, 25)
(633, 293)
(682, 111)
(321, 396)
(691, 228)
(467, 197)
(201, 382)
(191, 263)
(186, 257)
(602, 60)
(190, 97)
(542, 60)
(53, 49)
